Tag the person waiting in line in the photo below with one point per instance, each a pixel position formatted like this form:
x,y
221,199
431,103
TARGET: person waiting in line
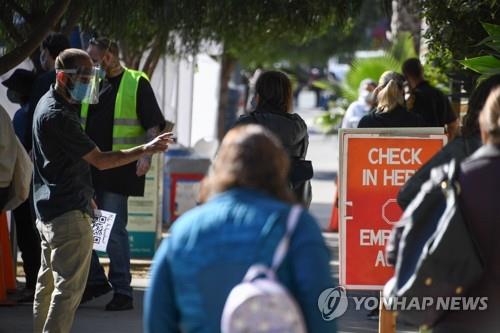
x,y
19,86
480,189
241,222
429,102
8,151
390,110
466,143
51,46
360,108
274,110
62,189
127,114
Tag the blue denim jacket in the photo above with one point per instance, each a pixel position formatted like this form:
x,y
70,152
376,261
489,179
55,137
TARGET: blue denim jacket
x,y
211,248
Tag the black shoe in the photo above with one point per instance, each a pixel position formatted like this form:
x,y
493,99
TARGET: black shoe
x,y
120,303
25,296
94,291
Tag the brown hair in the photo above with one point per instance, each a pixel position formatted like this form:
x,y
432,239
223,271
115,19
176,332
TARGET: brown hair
x,y
250,156
275,91
72,59
490,119
476,103
389,92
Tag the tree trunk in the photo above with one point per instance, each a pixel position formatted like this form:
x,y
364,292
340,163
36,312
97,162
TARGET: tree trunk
x,y
405,17
227,67
153,57
74,13
44,26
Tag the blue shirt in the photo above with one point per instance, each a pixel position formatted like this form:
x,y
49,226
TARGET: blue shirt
x,y
211,248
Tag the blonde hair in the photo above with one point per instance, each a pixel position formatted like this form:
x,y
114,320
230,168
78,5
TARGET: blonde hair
x,y
390,91
250,157
490,119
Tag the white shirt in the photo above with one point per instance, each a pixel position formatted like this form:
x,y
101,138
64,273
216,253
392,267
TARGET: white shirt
x,y
354,113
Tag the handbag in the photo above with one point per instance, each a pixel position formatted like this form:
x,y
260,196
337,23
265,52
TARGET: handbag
x,y
437,255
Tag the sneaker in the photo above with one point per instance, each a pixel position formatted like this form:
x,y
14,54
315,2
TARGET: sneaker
x,y
120,303
94,291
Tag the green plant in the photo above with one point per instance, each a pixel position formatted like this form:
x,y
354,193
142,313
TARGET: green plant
x,y
487,64
454,31
372,68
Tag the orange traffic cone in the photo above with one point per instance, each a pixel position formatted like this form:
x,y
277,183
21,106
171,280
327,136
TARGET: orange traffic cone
x,y
9,275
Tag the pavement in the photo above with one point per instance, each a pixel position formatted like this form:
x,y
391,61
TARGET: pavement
x,y
91,316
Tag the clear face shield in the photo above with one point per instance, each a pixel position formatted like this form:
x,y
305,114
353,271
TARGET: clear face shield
x,y
84,84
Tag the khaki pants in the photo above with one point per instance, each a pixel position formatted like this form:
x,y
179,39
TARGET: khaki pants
x,y
66,253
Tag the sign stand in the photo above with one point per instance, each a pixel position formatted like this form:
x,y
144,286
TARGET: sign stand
x,y
387,318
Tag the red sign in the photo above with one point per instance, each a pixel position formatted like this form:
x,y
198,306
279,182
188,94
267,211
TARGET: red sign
x,y
373,168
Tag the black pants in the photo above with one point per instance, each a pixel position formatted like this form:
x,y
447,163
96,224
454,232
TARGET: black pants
x,y
28,241
4,194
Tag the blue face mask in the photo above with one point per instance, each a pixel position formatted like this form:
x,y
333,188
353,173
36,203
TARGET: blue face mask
x,y
79,91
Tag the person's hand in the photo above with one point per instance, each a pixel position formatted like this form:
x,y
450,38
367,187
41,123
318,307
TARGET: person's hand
x,y
143,166
159,144
93,205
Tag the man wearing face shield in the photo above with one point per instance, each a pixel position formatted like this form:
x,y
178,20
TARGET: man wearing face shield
x,y
127,114
63,189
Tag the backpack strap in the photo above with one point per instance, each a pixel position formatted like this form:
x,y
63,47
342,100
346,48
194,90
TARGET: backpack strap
x,y
283,245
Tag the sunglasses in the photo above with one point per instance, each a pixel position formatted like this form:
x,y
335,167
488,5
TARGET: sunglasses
x,y
101,44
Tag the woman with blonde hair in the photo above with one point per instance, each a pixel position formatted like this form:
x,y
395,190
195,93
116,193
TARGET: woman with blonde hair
x,y
244,217
390,110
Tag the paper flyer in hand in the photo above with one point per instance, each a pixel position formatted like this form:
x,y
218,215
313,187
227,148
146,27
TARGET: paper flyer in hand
x,y
102,224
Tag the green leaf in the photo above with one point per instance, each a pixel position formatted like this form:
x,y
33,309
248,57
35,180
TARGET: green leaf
x,y
367,68
495,45
482,65
491,29
403,47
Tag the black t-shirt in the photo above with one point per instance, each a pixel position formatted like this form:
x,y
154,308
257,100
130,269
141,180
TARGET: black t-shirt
x,y
62,180
100,119
398,117
432,105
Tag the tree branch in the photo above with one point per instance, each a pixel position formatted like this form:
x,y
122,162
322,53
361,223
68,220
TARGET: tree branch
x,y
74,12
44,26
153,57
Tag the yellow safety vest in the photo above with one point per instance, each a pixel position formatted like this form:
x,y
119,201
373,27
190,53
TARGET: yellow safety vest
x,y
127,130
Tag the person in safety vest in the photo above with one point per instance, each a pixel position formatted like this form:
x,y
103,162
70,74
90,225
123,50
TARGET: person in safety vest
x,y
127,115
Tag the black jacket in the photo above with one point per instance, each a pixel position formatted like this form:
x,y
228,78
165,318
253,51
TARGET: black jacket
x,y
291,129
480,189
397,117
459,149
